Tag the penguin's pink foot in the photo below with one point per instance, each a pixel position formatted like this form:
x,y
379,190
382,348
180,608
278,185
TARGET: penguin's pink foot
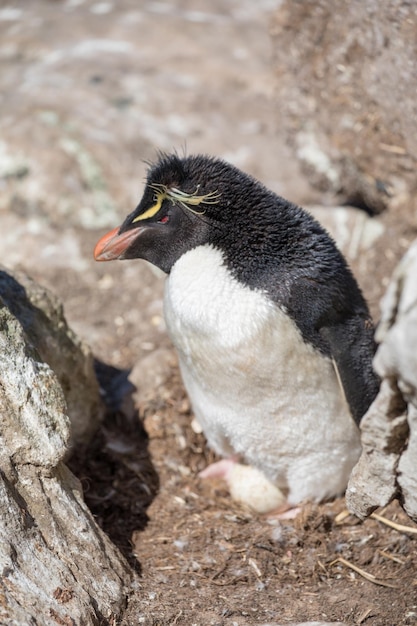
x,y
247,485
220,469
286,511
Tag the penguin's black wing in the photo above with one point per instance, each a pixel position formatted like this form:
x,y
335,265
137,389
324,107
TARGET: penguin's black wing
x,y
352,347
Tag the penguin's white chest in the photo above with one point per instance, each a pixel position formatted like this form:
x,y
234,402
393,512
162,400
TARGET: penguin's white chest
x,y
257,389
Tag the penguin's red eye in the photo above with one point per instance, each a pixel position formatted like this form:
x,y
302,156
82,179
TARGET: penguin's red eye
x,y
164,219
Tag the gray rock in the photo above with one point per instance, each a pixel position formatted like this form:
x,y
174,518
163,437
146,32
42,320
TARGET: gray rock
x,y
397,331
34,427
373,481
389,429
56,565
40,314
407,476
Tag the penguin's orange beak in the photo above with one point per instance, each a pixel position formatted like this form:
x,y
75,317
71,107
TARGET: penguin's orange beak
x,y
113,245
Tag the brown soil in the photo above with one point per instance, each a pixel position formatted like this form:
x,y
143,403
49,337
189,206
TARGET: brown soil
x,y
171,73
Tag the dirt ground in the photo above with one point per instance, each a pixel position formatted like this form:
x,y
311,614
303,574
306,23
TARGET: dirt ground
x,y
203,559
88,91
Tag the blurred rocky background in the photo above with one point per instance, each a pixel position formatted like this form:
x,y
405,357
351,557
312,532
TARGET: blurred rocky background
x,y
320,105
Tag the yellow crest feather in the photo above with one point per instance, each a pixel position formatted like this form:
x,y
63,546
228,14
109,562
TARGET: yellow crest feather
x,y
187,200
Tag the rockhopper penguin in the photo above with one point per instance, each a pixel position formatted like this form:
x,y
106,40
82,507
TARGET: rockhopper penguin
x,y
274,337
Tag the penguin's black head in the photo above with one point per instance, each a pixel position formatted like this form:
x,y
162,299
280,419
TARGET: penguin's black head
x,y
186,202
